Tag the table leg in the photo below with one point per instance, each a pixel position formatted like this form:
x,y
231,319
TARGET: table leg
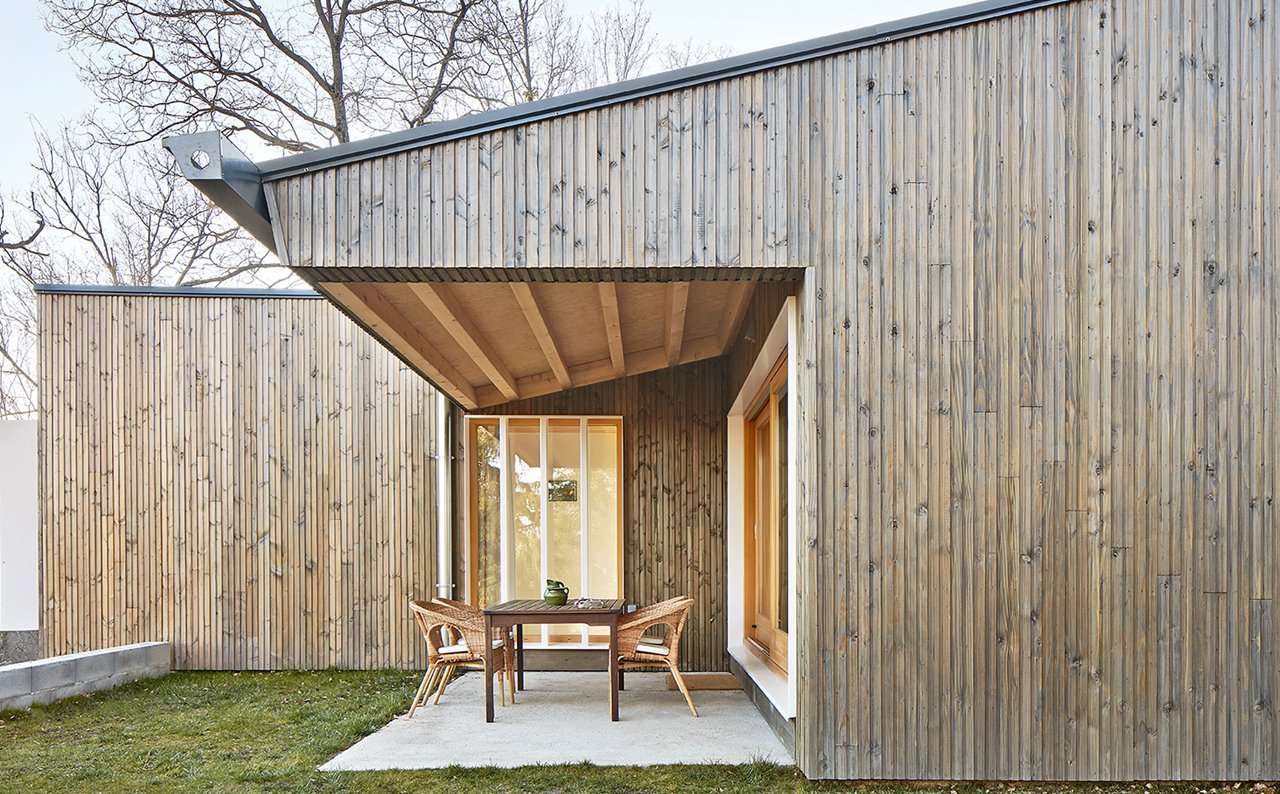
x,y
520,656
614,673
488,670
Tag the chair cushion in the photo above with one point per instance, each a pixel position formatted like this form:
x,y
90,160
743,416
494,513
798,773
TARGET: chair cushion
x,y
462,647
656,650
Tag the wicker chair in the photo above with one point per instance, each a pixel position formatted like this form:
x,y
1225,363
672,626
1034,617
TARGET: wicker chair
x,y
508,635
456,639
637,650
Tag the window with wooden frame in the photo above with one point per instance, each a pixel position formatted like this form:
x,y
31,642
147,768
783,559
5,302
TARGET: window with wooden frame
x,y
545,502
765,511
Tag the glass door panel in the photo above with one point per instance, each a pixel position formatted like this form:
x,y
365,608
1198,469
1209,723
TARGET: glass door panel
x,y
564,514
762,621
780,540
546,503
524,441
604,515
768,542
486,502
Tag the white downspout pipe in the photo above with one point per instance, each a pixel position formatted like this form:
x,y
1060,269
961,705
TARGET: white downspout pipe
x,y
444,501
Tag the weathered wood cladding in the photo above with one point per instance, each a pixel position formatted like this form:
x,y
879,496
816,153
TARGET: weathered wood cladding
x,y
1041,469
252,480
674,442
767,303
712,176
1038,361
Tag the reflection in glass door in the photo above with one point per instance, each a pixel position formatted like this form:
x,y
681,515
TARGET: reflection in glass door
x,y
545,503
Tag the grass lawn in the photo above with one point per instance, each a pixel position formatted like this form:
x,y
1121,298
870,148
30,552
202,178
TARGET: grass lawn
x,y
269,731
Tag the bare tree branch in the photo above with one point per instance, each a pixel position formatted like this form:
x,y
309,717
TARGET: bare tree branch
x,y
621,43
125,218
294,76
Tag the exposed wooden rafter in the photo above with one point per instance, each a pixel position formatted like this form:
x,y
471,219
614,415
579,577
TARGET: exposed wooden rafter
x,y
639,361
735,309
444,307
538,324
677,307
613,326
386,321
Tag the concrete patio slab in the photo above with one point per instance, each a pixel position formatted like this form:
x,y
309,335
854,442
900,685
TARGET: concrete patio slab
x,y
563,718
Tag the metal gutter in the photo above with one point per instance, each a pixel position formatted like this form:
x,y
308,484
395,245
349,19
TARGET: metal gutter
x,y
176,292
226,175
502,118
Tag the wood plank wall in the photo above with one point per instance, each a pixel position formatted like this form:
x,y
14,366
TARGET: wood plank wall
x,y
1041,354
1043,457
674,442
252,480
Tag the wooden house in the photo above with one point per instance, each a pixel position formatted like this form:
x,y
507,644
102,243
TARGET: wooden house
x,y
939,361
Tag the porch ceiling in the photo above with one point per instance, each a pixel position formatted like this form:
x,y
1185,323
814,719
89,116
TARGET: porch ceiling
x,y
489,343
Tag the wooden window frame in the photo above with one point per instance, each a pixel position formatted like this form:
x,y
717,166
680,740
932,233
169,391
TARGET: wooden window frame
x,y
769,643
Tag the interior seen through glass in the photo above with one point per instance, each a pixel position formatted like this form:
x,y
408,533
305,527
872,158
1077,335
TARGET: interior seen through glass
x,y
562,520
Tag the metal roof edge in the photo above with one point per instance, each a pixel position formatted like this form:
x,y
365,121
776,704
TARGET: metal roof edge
x,y
437,132
176,292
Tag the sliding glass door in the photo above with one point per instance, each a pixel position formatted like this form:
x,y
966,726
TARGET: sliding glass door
x,y
545,503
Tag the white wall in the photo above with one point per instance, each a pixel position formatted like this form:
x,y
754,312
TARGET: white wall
x,y
19,511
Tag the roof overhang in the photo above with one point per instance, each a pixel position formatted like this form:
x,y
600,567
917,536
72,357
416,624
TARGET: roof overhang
x,y
493,342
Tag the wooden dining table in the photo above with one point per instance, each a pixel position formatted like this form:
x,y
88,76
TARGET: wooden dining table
x,y
521,612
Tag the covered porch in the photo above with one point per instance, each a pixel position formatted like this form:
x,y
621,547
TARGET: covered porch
x,y
632,436
545,317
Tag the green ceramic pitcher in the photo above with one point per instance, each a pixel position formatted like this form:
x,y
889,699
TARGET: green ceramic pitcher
x,y
556,594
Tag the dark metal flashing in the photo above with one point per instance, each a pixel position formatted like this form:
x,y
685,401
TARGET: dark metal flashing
x,y
176,292
466,126
226,175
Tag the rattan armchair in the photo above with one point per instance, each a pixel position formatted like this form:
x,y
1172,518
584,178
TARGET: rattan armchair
x,y
637,650
456,640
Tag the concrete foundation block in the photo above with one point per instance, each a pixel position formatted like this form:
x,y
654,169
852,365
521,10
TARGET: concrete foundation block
x,y
15,681
49,680
93,666
160,654
52,674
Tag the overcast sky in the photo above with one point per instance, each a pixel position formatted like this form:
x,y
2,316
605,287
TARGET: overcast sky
x,y
37,81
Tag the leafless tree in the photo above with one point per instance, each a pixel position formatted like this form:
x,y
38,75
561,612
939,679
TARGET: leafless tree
x,y
291,75
25,239
622,44
102,216
17,318
535,51
689,53
294,76
125,218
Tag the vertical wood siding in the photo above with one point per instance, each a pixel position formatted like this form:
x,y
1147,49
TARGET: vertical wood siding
x,y
674,442
1042,449
251,480
1040,362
